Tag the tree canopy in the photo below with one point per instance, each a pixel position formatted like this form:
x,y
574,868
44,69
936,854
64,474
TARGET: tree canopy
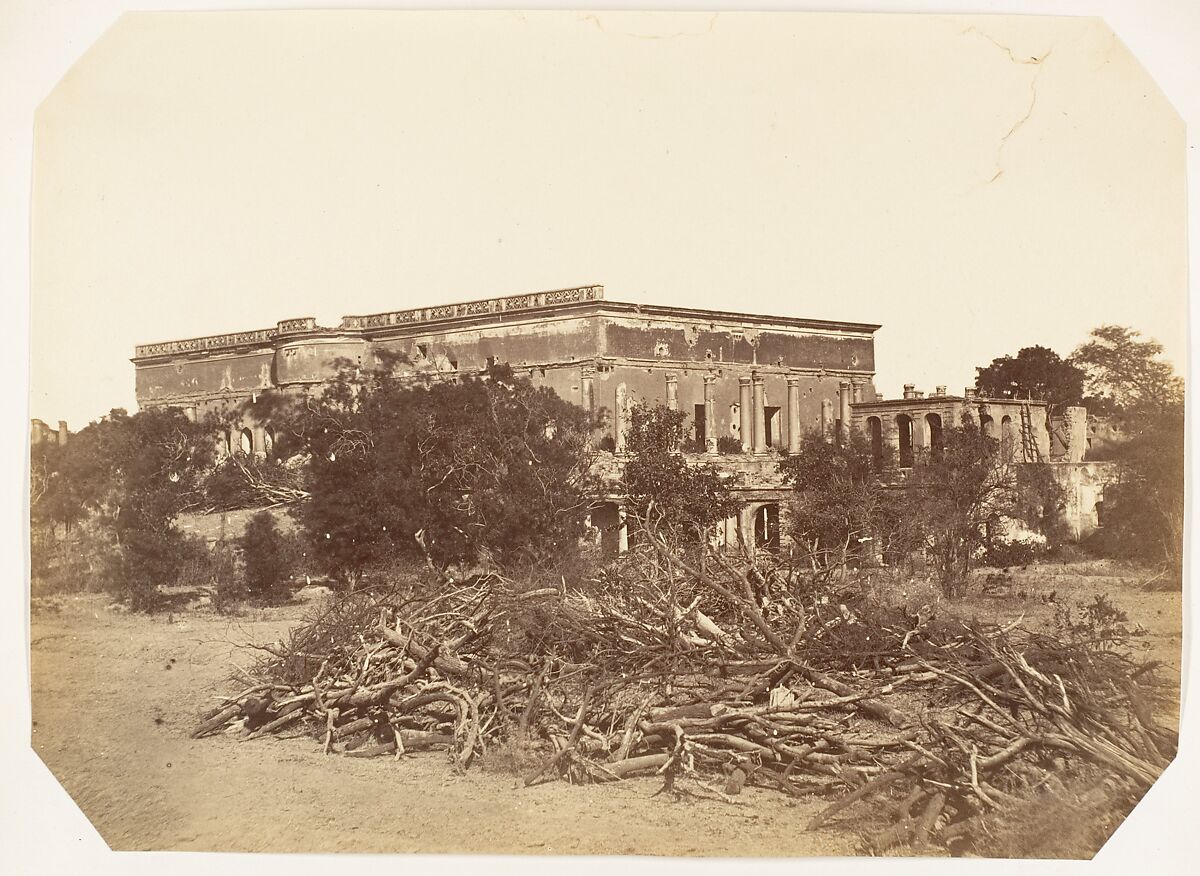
x,y
133,475
954,499
838,501
680,499
454,471
1126,374
1035,373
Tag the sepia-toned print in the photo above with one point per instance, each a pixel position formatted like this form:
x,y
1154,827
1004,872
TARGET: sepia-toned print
x,y
636,434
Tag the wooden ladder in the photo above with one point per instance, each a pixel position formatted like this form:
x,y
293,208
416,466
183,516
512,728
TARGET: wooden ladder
x,y
1031,452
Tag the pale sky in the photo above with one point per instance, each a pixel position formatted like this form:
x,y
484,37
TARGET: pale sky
x,y
205,173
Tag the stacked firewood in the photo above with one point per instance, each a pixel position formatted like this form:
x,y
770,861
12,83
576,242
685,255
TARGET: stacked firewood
x,y
934,726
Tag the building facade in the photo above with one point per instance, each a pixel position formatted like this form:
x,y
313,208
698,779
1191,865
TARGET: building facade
x,y
901,430
759,382
751,385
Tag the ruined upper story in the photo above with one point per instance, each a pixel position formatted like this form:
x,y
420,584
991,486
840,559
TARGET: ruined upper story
x,y
558,331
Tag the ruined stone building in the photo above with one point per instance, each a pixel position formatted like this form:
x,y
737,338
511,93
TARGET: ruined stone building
x,y
751,384
42,433
900,429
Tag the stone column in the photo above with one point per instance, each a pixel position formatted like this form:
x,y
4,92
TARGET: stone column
x,y
793,392
672,392
890,433
260,441
586,391
622,531
746,527
710,413
1075,426
920,434
844,396
620,417
745,414
827,420
760,422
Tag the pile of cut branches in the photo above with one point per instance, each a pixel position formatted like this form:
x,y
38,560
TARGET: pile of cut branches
x,y
712,680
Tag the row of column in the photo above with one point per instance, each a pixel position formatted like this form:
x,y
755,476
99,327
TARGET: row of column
x,y
751,406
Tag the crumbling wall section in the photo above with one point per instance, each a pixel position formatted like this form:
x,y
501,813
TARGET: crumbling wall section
x,y
1083,484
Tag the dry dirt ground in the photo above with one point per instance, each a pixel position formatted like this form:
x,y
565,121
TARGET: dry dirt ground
x,y
115,696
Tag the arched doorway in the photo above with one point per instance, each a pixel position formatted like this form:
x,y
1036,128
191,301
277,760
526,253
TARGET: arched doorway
x,y
933,428
904,430
247,442
875,433
766,527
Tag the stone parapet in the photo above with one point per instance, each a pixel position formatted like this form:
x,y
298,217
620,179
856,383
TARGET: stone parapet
x,y
503,304
210,342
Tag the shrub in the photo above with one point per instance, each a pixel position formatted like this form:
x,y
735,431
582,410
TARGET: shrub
x,y
69,563
728,444
265,551
1013,545
145,561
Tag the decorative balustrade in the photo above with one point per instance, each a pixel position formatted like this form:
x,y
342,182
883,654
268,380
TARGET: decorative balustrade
x,y
292,326
211,342
505,304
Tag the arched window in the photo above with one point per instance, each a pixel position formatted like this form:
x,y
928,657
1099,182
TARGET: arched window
x,y
933,428
247,445
875,432
269,442
987,426
766,527
904,430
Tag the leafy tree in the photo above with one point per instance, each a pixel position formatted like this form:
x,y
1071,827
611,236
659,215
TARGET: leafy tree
x,y
133,475
1125,374
453,471
1035,373
265,555
679,500
838,498
954,500
1144,508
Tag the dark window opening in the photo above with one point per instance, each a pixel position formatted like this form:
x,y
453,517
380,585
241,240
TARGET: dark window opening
x,y
933,427
766,527
904,427
701,423
771,426
875,430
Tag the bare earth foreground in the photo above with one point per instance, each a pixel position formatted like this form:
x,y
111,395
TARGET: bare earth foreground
x,y
115,696
112,713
